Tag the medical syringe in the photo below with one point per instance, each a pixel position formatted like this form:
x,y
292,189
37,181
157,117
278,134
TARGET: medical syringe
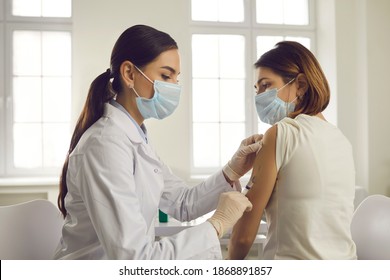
x,y
248,186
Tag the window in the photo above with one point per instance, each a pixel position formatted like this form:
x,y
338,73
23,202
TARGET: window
x,y
227,38
37,93
42,8
217,87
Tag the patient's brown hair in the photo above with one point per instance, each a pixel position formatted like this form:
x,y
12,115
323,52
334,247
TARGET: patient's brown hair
x,y
288,59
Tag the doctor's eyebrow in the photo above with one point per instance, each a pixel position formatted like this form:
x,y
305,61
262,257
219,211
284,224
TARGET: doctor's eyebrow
x,y
170,69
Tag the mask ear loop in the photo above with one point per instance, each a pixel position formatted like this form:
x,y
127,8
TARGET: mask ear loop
x,y
143,74
146,77
136,93
288,103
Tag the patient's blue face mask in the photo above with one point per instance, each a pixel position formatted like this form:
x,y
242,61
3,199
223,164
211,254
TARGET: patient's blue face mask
x,y
271,108
165,99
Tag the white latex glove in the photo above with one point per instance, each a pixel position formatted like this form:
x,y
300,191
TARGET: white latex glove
x,y
242,160
231,206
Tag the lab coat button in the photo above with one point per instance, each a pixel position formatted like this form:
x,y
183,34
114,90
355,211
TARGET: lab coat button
x,y
156,170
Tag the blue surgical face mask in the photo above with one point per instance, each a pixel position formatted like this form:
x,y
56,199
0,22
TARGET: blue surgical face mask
x,y
165,99
271,108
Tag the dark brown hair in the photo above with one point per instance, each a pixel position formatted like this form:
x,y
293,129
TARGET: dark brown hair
x,y
139,44
288,59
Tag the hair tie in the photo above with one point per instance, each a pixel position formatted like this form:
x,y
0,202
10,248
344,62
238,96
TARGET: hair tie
x,y
109,73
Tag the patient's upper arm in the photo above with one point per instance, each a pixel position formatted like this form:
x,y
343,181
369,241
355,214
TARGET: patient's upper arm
x,y
264,169
264,176
264,172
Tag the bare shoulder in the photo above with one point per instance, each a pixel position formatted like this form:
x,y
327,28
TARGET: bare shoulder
x,y
270,135
266,155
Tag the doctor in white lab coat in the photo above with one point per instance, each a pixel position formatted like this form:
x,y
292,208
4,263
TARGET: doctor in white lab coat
x,y
113,183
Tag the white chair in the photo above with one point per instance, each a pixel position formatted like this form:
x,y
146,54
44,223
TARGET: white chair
x,y
370,228
29,230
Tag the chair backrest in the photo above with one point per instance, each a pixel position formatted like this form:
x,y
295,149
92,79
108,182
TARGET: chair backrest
x,y
370,228
29,230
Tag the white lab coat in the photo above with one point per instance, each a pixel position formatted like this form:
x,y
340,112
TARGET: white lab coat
x,y
116,184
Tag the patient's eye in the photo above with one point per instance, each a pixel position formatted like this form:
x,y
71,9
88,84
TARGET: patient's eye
x,y
165,77
263,87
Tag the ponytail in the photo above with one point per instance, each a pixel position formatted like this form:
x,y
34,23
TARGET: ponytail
x,y
99,93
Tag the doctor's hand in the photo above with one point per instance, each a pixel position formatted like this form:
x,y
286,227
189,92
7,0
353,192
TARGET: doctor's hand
x,y
242,160
231,206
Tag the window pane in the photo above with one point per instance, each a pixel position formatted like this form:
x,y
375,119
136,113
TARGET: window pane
x,y
42,8
56,49
270,12
231,10
27,53
212,56
27,145
231,136
205,100
232,100
200,13
57,8
27,101
282,12
56,99
232,56
296,12
205,56
56,139
217,10
26,8
206,145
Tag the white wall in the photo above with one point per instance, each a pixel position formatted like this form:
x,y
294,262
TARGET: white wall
x,y
362,45
357,30
378,62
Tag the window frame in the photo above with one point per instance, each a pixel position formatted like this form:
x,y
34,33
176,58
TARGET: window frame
x,y
199,171
309,27
250,29
10,24
44,20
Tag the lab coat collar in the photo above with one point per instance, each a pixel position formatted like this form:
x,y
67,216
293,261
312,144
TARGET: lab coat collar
x,y
123,122
141,129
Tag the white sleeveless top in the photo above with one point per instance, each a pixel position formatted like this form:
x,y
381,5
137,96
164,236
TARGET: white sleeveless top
x,y
310,210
